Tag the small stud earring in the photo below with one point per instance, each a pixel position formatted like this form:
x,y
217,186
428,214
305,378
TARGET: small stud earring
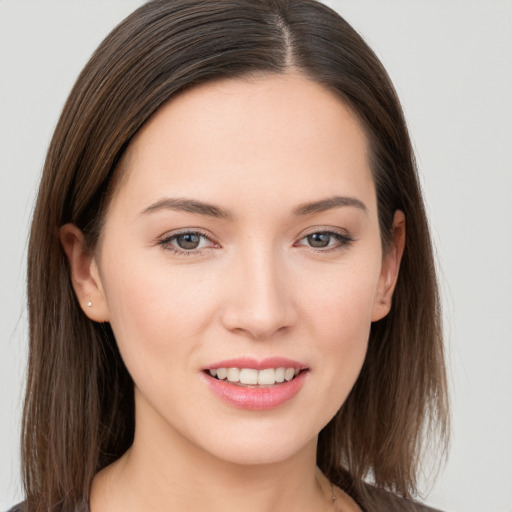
x,y
89,304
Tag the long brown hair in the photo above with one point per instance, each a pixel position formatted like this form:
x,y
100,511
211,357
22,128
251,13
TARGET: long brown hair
x,y
79,407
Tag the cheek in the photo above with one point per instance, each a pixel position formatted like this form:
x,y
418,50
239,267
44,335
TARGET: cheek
x,y
342,298
343,324
339,309
156,312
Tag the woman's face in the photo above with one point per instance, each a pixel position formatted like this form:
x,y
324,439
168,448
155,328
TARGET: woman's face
x,y
243,233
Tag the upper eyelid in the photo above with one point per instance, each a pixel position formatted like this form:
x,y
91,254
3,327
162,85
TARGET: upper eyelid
x,y
333,234
331,230
193,231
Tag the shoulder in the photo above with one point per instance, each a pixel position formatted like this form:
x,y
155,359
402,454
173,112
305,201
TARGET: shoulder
x,y
379,500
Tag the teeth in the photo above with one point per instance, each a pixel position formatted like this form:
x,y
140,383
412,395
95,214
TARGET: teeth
x,y
280,374
233,374
250,376
222,373
267,377
289,374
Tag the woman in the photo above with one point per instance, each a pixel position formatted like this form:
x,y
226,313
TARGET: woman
x,y
232,294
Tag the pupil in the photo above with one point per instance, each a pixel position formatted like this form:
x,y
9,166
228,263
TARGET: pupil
x,y
319,239
188,241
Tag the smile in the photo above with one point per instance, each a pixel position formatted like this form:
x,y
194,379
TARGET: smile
x,y
257,385
253,377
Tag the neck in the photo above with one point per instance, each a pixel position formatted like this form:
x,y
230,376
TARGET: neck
x,y
164,471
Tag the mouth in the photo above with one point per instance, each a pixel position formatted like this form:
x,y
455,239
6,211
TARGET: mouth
x,y
253,384
251,377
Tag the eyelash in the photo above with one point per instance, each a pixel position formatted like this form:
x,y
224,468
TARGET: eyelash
x,y
344,240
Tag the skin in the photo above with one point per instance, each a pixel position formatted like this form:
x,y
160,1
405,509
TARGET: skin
x,y
258,149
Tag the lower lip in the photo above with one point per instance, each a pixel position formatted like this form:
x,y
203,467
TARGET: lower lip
x,y
256,398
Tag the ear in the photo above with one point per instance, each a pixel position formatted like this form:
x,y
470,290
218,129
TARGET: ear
x,y
85,275
390,268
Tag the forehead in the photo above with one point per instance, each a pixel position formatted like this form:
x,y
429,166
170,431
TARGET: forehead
x,y
262,135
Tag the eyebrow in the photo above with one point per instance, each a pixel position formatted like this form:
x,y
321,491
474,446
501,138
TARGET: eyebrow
x,y
187,205
329,203
202,208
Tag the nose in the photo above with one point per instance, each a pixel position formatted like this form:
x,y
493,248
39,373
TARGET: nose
x,y
260,300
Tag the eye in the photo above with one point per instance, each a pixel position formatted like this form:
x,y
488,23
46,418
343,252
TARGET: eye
x,y
187,242
326,240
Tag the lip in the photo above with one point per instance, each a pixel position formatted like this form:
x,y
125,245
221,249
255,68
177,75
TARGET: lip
x,y
256,398
262,364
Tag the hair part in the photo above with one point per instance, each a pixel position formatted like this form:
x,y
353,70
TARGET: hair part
x,y
79,407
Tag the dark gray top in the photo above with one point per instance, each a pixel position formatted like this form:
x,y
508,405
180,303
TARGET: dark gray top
x,y
379,501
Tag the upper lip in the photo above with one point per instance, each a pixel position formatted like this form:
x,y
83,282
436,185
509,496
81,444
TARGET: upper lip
x,y
257,364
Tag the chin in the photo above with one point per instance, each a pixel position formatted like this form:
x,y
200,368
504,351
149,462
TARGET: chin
x,y
261,452
257,443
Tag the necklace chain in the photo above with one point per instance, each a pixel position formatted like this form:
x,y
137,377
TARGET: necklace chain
x,y
333,495
332,498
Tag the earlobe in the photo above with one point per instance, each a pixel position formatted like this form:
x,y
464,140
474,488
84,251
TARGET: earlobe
x,y
390,269
85,276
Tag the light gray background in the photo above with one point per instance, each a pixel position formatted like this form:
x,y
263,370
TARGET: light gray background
x,y
451,62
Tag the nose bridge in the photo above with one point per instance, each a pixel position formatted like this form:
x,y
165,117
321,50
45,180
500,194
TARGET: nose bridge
x,y
260,302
